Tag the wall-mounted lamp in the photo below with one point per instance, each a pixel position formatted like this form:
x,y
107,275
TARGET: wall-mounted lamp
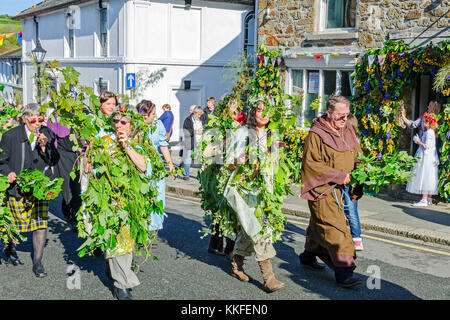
x,y
187,84
187,3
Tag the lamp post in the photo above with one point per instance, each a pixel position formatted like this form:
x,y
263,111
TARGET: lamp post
x,y
38,54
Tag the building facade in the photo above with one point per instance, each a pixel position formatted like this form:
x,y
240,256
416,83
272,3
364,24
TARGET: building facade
x,y
109,42
321,39
11,76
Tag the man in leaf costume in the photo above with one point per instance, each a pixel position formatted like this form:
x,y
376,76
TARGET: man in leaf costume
x,y
330,155
26,147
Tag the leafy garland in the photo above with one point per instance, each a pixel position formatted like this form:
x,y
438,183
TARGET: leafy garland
x,y
118,194
380,78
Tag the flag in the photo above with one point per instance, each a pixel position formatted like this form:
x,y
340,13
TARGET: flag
x,y
265,60
335,54
19,37
391,55
326,57
2,37
318,56
381,59
371,60
9,35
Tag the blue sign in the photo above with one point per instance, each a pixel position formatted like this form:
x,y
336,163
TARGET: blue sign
x,y
131,80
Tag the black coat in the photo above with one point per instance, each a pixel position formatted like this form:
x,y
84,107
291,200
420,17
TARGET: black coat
x,y
188,133
12,159
205,115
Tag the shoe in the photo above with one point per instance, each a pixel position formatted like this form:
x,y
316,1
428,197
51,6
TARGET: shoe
x,y
237,271
122,294
215,251
11,256
357,243
421,203
185,178
430,201
349,282
98,252
311,266
39,270
271,284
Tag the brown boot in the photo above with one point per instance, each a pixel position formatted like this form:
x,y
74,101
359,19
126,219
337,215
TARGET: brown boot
x,y
270,283
237,264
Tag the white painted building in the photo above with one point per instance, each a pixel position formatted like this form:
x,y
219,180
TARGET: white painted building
x,y
106,40
11,74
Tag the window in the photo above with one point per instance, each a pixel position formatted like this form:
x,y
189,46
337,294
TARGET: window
x,y
104,32
337,14
314,84
249,35
71,35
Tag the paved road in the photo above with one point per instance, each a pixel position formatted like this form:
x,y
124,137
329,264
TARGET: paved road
x,y
185,270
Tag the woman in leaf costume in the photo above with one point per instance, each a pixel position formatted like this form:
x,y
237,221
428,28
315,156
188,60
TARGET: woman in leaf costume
x,y
214,175
249,191
27,146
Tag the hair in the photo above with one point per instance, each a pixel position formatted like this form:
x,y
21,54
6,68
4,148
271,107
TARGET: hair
x,y
238,108
354,122
106,95
197,109
431,119
166,106
251,116
436,109
211,99
29,109
145,107
333,100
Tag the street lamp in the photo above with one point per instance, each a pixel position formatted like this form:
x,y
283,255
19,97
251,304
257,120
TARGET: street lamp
x,y
38,54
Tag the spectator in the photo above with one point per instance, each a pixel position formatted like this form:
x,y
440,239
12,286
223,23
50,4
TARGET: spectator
x,y
167,119
210,105
193,130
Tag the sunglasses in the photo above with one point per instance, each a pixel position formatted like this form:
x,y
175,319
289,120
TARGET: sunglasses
x,y
34,121
341,117
123,122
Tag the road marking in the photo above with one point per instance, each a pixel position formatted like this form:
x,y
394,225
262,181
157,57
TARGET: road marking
x,y
363,235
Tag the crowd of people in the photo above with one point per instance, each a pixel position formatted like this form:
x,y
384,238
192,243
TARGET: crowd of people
x,y
330,154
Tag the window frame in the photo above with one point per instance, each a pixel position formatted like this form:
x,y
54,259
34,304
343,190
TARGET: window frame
x,y
323,18
247,31
103,37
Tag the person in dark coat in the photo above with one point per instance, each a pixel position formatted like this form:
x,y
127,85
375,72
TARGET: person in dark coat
x,y
71,188
192,130
210,105
28,146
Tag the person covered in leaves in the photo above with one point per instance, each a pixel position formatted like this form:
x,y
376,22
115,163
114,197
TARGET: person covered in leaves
x,y
29,146
157,135
123,175
330,155
249,151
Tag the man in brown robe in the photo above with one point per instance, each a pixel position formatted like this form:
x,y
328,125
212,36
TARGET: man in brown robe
x,y
330,154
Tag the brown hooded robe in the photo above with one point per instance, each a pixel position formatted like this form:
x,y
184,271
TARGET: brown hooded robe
x,y
328,157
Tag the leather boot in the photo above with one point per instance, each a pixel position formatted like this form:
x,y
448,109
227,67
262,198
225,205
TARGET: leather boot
x,y
237,264
271,284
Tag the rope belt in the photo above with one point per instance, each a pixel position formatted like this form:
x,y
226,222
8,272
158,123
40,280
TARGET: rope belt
x,y
341,203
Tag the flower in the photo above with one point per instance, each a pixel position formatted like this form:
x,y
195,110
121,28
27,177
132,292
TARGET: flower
x,y
386,95
367,85
379,156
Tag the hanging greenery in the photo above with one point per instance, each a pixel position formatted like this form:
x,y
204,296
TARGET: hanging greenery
x,y
380,79
118,195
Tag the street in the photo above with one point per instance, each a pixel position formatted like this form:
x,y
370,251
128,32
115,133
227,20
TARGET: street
x,y
184,270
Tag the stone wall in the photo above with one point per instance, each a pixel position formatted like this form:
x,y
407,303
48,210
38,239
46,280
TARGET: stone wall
x,y
292,23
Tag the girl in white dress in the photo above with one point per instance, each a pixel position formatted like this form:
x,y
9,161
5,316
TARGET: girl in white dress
x,y
425,179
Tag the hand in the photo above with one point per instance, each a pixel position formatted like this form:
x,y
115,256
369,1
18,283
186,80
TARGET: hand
x,y
123,139
12,177
87,166
42,139
347,179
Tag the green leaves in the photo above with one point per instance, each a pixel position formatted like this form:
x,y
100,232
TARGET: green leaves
x,y
39,184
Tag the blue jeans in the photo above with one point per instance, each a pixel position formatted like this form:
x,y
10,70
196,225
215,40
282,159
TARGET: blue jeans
x,y
187,160
351,212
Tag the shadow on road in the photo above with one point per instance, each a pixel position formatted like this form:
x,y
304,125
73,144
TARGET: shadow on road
x,y
184,235
426,214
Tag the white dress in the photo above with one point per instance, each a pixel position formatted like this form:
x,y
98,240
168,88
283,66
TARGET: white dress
x,y
425,179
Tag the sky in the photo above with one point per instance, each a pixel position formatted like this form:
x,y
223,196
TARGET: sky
x,y
12,7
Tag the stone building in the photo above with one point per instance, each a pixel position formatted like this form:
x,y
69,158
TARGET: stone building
x,y
321,39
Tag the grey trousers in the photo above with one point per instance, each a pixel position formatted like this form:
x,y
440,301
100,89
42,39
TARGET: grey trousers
x,y
244,246
124,277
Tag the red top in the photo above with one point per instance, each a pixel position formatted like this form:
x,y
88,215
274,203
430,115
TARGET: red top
x,y
241,118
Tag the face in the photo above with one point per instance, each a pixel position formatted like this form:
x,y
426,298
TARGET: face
x,y
122,125
211,104
338,117
34,122
430,107
260,120
151,116
197,115
108,106
233,106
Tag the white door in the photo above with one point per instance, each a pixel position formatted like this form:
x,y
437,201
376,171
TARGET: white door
x,y
180,101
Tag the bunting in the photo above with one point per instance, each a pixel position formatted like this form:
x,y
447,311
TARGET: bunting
x,y
9,35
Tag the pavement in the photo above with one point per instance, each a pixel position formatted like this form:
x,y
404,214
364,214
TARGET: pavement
x,y
381,213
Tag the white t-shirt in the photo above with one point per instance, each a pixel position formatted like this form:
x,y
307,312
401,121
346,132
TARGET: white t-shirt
x,y
33,143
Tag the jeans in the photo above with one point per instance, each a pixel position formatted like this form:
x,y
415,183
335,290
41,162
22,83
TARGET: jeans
x,y
187,160
351,212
